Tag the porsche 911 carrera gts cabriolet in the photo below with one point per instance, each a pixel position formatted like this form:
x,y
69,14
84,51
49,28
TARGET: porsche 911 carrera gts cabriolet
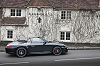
x,y
35,45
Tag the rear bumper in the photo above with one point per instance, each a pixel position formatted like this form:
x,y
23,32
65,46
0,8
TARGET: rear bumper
x,y
10,50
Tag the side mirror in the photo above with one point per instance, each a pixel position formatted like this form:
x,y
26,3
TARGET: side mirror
x,y
44,43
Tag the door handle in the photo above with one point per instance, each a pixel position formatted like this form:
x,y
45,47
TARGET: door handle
x,y
33,45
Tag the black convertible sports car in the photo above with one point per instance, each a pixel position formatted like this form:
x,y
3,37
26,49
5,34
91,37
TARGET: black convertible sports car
x,y
34,45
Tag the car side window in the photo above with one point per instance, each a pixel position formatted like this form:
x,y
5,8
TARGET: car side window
x,y
36,41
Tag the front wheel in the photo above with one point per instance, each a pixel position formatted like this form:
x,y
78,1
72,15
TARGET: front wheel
x,y
21,52
57,51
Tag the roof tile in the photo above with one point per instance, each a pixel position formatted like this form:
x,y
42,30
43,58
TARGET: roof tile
x,y
14,3
54,3
39,3
70,3
93,3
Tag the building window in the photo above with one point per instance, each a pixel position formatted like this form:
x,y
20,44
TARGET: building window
x,y
63,14
64,35
10,34
68,14
67,35
18,13
12,12
15,12
99,4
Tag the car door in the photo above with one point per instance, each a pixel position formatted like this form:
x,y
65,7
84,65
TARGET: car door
x,y
41,48
37,46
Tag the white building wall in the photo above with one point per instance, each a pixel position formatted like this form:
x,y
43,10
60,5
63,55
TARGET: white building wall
x,y
83,29
44,28
19,33
4,33
7,12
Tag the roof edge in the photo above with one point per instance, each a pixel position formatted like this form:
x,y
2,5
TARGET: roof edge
x,y
77,8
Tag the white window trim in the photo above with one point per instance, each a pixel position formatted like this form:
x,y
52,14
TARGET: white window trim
x,y
66,15
12,12
9,39
15,12
63,15
99,4
64,37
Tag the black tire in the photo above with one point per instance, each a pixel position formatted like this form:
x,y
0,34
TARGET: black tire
x,y
57,51
21,52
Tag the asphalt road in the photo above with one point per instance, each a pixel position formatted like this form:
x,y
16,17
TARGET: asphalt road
x,y
72,58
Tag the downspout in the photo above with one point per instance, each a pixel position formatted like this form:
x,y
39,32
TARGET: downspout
x,y
0,29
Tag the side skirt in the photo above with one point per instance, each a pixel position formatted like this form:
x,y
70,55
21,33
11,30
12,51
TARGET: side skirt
x,y
45,52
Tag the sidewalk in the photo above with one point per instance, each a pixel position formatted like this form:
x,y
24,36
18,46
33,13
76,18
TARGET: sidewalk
x,y
2,48
84,48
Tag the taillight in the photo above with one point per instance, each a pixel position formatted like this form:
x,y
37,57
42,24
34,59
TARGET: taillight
x,y
8,46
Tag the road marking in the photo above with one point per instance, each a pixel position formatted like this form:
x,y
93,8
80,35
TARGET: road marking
x,y
78,59
14,63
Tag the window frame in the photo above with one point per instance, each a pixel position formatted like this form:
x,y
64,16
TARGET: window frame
x,y
9,34
99,4
69,15
62,35
12,12
65,37
63,14
66,15
17,13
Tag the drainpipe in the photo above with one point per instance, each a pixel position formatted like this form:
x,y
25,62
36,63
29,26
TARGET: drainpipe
x,y
0,29
0,22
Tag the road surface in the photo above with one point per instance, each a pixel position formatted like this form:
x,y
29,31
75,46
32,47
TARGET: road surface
x,y
72,58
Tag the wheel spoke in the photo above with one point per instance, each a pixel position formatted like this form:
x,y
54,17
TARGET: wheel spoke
x,y
21,52
57,51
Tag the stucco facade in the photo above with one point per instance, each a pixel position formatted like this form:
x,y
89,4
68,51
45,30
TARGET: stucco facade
x,y
65,24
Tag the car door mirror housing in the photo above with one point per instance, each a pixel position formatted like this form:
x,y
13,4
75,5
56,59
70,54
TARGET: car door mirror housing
x,y
44,43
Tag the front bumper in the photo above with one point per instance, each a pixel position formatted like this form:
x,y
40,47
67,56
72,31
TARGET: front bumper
x,y
64,50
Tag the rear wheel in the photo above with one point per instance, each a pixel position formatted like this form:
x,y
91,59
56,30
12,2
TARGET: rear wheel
x,y
21,52
57,51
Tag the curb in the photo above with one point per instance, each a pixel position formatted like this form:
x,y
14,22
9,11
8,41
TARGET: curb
x,y
84,48
1,50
